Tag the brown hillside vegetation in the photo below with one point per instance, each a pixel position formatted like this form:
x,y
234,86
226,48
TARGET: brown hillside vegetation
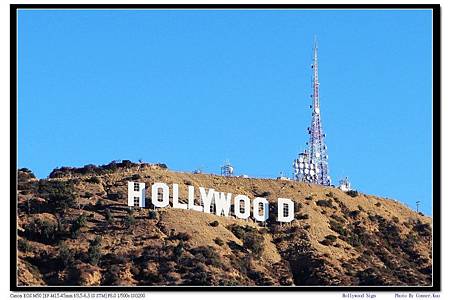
x,y
75,228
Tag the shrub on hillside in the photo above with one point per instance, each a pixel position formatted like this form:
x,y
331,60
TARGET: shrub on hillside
x,y
59,194
326,203
24,245
326,242
77,225
25,174
94,179
254,242
331,237
237,230
115,196
152,214
99,204
129,220
219,241
42,231
214,223
301,216
161,165
207,255
424,229
178,250
352,193
263,194
108,216
94,250
65,255
337,227
354,213
88,195
183,236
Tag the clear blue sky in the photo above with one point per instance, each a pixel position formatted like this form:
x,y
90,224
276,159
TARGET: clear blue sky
x,y
194,88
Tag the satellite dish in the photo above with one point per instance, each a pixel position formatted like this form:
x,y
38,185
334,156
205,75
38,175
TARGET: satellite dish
x,y
300,159
301,165
306,171
306,165
317,110
317,154
311,172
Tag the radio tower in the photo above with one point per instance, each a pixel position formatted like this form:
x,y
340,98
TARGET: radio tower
x,y
312,164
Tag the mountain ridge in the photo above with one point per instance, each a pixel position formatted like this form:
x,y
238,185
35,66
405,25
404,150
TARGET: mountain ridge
x,y
336,239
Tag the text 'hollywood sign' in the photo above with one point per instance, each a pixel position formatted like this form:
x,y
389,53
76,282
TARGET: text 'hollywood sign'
x,y
211,202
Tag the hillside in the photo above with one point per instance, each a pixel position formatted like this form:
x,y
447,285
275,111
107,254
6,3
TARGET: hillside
x,y
75,228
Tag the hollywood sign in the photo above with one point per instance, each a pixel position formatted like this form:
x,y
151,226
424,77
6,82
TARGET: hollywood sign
x,y
211,202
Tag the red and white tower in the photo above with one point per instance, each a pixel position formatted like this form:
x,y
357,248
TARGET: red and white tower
x,y
312,164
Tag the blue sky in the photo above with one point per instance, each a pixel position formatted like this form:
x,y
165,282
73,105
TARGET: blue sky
x,y
194,88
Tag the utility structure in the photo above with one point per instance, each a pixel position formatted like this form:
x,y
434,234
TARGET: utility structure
x,y
227,169
312,164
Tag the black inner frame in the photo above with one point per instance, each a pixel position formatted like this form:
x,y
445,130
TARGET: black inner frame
x,y
436,286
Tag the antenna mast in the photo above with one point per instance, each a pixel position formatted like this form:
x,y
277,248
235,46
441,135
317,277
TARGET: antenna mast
x,y
312,164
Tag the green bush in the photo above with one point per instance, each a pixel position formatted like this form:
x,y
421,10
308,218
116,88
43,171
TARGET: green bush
x,y
59,194
238,231
331,237
326,242
254,242
94,250
354,240
352,193
300,216
24,246
152,214
77,225
42,231
100,203
178,250
136,177
378,204
65,256
129,221
354,213
94,179
424,229
214,223
326,203
207,255
219,241
335,226
108,216
115,196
